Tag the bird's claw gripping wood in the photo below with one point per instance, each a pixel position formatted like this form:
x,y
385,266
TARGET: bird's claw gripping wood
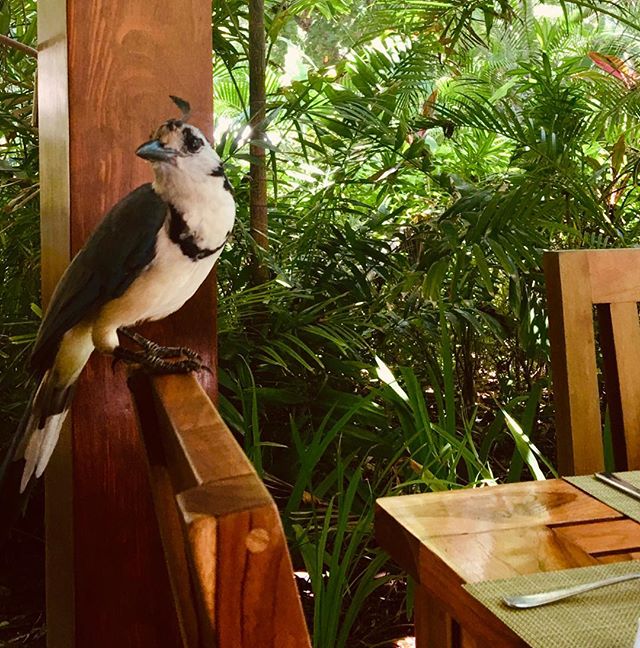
x,y
154,349
156,364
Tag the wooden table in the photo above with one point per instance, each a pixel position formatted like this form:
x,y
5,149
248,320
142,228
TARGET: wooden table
x,y
446,539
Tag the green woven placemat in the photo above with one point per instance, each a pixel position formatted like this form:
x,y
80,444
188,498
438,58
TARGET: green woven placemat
x,y
603,618
610,496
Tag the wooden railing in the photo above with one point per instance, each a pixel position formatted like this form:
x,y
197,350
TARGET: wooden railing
x,y
229,566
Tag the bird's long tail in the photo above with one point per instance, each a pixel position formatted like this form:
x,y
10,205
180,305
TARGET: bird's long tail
x,y
49,409
39,429
34,440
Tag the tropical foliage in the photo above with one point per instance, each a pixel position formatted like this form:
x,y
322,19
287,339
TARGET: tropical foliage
x,y
19,240
422,155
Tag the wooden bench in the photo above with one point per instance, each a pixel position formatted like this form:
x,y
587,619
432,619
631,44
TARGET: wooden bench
x,y
229,567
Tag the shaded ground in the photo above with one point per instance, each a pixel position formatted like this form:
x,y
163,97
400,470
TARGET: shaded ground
x,y
382,622
22,582
22,595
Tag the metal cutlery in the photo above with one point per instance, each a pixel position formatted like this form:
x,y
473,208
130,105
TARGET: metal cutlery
x,y
543,598
619,484
535,600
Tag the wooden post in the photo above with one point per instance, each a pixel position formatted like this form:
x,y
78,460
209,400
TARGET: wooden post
x,y
106,71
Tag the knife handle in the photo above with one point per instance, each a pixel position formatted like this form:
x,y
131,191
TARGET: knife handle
x,y
619,484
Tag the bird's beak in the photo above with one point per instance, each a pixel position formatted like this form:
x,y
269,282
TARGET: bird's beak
x,y
155,151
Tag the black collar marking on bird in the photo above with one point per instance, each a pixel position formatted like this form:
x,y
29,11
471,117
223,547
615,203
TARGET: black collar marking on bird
x,y
219,173
182,236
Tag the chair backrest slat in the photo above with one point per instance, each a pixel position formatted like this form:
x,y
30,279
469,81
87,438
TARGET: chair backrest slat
x,y
614,275
575,381
578,280
620,342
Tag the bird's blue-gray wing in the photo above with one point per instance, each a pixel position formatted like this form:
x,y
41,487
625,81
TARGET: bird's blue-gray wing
x,y
114,255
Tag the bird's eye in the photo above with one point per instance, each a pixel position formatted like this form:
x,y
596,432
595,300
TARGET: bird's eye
x,y
192,143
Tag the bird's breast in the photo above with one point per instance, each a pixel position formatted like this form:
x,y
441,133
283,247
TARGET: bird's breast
x,y
161,289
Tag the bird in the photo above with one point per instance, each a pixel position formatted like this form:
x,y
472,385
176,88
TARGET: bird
x,y
145,259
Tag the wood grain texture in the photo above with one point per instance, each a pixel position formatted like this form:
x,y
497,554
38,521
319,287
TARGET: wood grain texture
x,y
508,506
444,584
193,427
125,59
614,274
507,553
450,538
576,281
434,627
53,112
598,537
169,520
573,360
107,70
242,582
467,640
618,556
620,342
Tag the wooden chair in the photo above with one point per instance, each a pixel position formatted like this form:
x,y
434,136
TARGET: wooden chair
x,y
578,280
229,566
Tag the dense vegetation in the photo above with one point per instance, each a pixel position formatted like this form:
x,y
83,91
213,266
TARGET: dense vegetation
x,y
422,155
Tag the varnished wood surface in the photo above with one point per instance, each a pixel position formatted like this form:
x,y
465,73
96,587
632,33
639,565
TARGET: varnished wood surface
x,y
597,538
106,69
620,340
614,275
573,361
192,431
446,539
241,584
578,280
507,506
55,253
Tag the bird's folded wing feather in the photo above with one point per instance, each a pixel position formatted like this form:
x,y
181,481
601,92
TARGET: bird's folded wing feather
x,y
117,251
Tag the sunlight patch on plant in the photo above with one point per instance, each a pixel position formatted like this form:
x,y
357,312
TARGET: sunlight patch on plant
x,y
223,125
547,11
387,377
245,135
296,65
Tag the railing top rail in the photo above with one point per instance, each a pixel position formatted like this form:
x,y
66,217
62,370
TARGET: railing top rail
x,y
216,517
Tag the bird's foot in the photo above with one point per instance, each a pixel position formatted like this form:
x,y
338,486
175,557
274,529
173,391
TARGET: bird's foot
x,y
154,349
156,364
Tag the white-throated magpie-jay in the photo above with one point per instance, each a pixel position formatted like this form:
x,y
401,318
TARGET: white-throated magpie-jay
x,y
143,262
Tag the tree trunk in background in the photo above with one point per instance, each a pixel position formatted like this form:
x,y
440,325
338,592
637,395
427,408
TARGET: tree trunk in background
x,y
258,194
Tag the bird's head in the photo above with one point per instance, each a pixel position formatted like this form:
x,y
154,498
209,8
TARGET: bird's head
x,y
178,148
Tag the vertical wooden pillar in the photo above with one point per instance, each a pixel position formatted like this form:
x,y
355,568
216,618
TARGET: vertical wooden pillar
x,y
106,70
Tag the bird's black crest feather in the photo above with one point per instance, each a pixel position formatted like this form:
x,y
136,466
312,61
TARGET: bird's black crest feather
x,y
183,105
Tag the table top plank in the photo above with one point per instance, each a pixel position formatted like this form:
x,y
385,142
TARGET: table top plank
x,y
509,506
444,584
446,539
617,556
505,553
602,537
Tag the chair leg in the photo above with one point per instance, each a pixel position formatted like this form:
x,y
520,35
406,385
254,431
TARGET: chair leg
x,y
434,627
